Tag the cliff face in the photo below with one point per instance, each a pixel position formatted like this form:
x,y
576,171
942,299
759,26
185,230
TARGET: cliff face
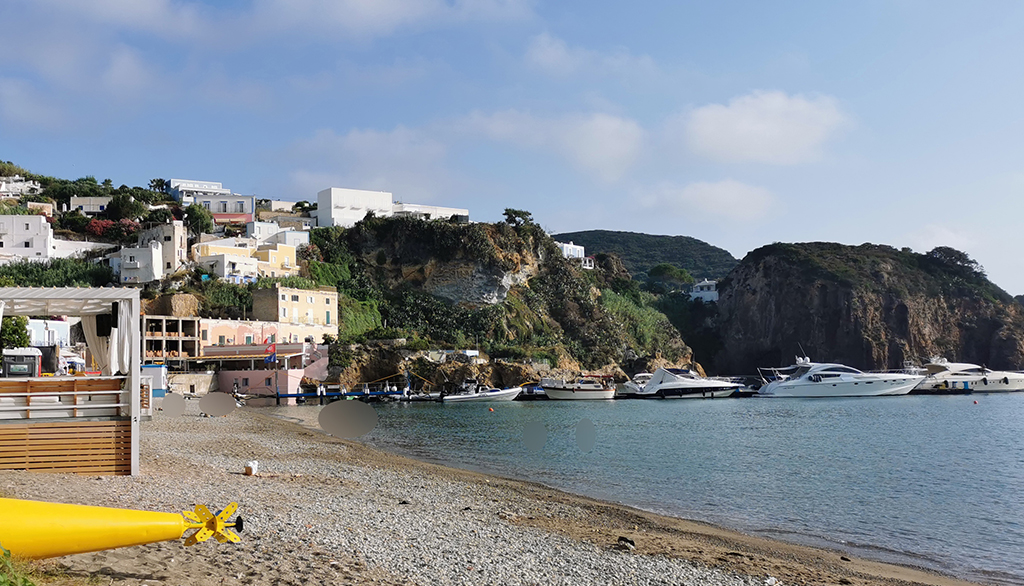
x,y
871,307
504,288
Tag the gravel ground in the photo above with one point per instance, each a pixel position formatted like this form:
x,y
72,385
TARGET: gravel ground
x,y
322,511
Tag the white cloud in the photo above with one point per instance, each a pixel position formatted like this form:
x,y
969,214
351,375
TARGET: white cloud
x,y
763,127
403,161
22,106
728,199
555,57
600,144
127,76
929,236
164,18
372,18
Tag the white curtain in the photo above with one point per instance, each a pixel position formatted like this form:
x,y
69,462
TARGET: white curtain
x,y
99,346
124,331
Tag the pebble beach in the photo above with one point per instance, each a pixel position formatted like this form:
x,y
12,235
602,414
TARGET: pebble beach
x,y
326,511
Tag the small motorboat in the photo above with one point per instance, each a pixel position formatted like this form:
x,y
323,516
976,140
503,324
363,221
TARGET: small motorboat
x,y
631,388
597,387
472,391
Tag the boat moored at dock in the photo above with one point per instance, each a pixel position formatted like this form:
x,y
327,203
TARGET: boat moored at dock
x,y
946,377
587,388
682,383
811,379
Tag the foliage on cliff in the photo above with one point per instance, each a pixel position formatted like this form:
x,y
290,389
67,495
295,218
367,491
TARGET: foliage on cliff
x,y
504,288
641,252
58,272
869,306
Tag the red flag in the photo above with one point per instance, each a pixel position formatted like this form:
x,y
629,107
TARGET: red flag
x,y
271,349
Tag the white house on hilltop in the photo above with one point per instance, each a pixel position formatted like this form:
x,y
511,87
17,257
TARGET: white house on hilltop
x,y
571,250
706,291
338,206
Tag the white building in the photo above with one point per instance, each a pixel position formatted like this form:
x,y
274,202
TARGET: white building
x,y
25,237
338,206
90,206
706,291
571,250
188,190
16,186
273,233
47,332
427,212
142,264
173,239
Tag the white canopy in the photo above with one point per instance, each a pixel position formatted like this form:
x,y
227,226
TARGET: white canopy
x,y
75,301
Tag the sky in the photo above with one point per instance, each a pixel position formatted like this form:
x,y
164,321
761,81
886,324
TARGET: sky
x,y
738,123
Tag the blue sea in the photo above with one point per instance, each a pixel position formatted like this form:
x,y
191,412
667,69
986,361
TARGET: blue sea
x,y
928,481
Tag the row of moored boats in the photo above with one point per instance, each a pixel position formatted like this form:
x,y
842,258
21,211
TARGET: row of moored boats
x,y
803,379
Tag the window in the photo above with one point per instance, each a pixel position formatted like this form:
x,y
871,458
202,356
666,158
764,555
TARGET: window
x,y
328,322
295,297
103,207
239,206
26,226
223,206
273,337
248,339
327,300
205,333
1,243
167,238
268,381
168,265
309,299
284,312
245,382
220,340
131,258
284,297
28,244
206,205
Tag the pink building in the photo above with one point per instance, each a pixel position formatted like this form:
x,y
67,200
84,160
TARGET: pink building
x,y
230,332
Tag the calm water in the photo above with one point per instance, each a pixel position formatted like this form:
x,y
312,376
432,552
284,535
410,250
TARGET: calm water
x,y
921,480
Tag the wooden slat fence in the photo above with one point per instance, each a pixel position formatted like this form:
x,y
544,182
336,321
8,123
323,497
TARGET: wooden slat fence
x,y
85,447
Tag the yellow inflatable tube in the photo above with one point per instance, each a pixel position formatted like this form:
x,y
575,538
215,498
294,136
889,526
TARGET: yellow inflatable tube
x,y
34,529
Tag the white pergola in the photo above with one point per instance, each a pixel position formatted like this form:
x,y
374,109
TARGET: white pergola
x,y
85,301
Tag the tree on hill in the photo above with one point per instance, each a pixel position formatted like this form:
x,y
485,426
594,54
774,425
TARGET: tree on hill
x,y
9,169
669,274
517,218
199,219
123,207
158,185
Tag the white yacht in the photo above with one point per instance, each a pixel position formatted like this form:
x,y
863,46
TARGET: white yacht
x,y
471,390
682,383
584,388
812,379
944,376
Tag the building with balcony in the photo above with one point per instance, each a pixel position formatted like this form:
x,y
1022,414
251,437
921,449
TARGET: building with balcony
x,y
173,239
187,191
169,339
17,186
243,260
297,306
274,233
142,264
233,332
25,238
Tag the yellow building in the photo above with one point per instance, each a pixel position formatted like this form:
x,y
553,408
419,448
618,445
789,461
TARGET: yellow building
x,y
297,306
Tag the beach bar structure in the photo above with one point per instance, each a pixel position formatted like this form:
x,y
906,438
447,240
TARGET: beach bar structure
x,y
77,424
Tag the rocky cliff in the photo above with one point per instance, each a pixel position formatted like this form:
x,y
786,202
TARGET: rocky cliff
x,y
868,306
504,288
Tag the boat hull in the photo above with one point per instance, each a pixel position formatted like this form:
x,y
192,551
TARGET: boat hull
x,y
579,394
692,393
485,397
875,387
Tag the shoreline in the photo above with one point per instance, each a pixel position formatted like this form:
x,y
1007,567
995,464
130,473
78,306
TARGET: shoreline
x,y
330,510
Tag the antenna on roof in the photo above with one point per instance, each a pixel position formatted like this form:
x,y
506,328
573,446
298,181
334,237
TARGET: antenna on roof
x,y
803,352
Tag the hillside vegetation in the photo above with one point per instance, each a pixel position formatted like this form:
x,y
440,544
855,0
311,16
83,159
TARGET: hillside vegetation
x,y
641,252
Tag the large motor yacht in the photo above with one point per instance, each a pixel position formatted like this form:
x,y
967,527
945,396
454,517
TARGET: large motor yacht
x,y
944,377
681,383
812,379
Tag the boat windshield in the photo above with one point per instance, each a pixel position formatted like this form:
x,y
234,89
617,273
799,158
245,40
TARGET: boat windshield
x,y
799,372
